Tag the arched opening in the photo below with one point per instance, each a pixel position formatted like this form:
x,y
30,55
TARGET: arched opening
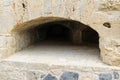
x,y
57,42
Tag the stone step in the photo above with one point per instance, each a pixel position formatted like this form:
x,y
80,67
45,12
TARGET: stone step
x,y
57,62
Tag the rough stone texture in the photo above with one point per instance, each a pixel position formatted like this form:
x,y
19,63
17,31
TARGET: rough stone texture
x,y
19,17
50,77
116,75
19,14
35,75
105,76
110,5
12,75
69,76
13,70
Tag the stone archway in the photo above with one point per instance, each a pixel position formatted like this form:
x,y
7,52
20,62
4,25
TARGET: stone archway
x,y
33,31
86,21
56,38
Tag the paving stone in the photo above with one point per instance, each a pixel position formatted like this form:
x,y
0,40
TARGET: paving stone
x,y
50,77
116,75
69,76
105,76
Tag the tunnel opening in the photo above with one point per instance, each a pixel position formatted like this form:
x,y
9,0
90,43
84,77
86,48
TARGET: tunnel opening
x,y
57,42
74,33
63,31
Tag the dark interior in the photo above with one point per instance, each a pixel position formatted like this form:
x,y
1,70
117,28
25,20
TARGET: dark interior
x,y
90,36
54,32
59,32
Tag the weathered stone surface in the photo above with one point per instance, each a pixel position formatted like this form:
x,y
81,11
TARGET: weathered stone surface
x,y
23,15
116,75
35,75
3,53
110,5
12,75
69,76
3,42
105,76
50,77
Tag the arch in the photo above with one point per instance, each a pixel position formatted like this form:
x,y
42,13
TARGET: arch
x,y
36,22
28,33
43,20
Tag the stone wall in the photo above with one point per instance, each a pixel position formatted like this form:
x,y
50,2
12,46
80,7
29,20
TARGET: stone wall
x,y
101,15
37,71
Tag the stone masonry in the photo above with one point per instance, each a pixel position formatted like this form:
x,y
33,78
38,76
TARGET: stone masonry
x,y
18,18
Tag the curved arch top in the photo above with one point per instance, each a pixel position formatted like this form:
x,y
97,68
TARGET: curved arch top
x,y
42,20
